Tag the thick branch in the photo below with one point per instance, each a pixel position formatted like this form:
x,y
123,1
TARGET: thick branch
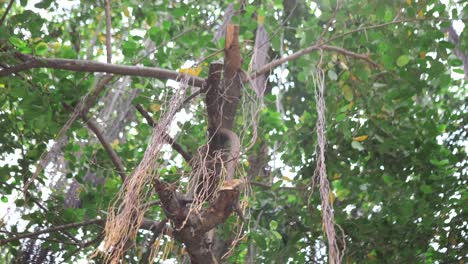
x,y
196,230
231,92
93,66
213,95
187,156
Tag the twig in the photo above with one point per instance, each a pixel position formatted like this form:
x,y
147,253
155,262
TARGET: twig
x,y
82,246
268,67
156,232
190,98
108,31
383,25
83,106
32,62
52,229
268,186
93,126
330,22
146,224
187,156
6,12
351,54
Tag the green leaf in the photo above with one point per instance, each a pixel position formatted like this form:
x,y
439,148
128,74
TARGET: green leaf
x,y
129,48
259,239
41,48
402,60
347,93
292,198
357,145
154,34
332,75
388,179
426,189
276,234
17,42
166,24
43,4
273,225
4,199
456,62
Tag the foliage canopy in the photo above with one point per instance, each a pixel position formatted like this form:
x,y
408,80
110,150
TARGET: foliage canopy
x,y
396,126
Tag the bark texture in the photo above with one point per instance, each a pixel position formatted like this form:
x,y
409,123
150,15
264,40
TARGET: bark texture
x,y
198,229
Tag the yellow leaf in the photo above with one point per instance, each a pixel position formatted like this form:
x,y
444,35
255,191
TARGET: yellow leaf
x,y
371,256
260,19
155,107
408,2
126,12
360,138
422,55
2,85
247,163
102,38
331,197
287,179
115,143
420,14
194,71
336,176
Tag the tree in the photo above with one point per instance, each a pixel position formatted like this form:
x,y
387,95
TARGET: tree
x,y
264,132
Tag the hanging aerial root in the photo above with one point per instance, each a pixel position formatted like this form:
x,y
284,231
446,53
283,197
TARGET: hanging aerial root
x,y
320,174
126,213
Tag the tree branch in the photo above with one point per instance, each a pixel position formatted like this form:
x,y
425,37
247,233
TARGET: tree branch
x,y
32,62
383,25
268,67
6,12
93,126
52,229
82,107
108,31
156,232
177,147
190,97
268,186
147,224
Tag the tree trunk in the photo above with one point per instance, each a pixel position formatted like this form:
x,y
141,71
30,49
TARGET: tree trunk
x,y
198,230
